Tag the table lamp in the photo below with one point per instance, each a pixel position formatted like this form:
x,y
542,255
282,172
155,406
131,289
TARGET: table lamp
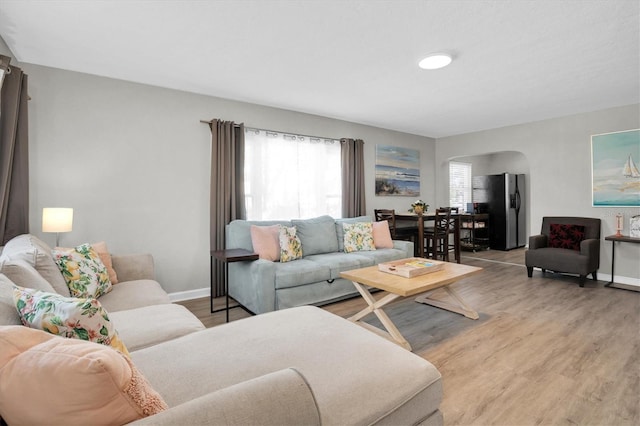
x,y
57,220
619,224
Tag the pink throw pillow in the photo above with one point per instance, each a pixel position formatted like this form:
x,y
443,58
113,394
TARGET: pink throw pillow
x,y
265,241
69,381
382,235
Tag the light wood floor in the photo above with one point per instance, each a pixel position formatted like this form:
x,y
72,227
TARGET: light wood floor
x,y
544,351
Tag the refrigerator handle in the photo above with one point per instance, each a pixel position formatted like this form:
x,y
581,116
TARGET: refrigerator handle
x,y
518,201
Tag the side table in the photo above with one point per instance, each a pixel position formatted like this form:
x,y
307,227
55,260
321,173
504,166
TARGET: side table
x,y
621,239
227,256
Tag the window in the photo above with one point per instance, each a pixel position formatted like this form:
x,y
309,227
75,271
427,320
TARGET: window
x,y
291,176
459,184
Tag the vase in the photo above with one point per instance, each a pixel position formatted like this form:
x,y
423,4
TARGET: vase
x,y
418,210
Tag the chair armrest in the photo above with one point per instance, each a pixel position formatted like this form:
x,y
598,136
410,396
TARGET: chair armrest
x,y
590,248
537,241
134,267
279,398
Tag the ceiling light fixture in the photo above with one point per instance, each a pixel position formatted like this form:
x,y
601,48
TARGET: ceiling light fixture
x,y
435,61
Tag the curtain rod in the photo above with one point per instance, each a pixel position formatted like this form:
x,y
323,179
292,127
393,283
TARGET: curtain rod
x,y
276,131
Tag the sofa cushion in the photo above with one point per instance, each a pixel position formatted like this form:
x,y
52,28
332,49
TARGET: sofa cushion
x,y
84,272
565,236
24,275
358,237
266,241
300,272
340,262
35,252
150,325
318,235
70,382
340,229
134,294
83,319
290,245
381,255
8,313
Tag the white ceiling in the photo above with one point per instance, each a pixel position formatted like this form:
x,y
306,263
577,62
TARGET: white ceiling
x,y
515,61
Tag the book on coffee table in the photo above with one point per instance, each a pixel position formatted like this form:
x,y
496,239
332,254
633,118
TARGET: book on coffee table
x,y
411,267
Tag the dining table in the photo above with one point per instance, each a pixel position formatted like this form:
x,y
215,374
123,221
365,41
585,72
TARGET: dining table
x,y
420,219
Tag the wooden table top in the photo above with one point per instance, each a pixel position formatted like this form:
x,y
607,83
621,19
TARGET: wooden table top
x,y
405,287
625,238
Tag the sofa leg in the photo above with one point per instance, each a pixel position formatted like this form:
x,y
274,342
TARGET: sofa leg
x,y
529,271
583,278
544,271
594,274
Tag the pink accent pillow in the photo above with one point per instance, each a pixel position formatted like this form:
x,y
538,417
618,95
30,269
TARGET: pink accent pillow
x,y
69,381
266,242
382,235
105,256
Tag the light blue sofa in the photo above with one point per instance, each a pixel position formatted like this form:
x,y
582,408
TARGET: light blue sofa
x,y
263,286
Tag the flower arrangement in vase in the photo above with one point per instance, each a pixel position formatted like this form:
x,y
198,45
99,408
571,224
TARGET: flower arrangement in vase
x,y
419,207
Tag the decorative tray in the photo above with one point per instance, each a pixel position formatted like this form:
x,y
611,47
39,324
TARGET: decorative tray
x,y
411,267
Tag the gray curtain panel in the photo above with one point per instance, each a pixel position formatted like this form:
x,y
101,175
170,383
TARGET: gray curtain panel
x,y
227,187
353,197
14,156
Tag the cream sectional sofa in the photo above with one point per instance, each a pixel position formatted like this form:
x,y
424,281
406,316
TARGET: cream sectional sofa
x,y
292,367
264,286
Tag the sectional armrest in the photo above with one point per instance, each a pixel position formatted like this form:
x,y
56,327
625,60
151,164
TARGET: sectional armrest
x,y
132,267
279,398
537,241
406,246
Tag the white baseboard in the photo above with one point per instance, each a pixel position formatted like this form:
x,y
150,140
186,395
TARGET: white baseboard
x,y
620,280
179,296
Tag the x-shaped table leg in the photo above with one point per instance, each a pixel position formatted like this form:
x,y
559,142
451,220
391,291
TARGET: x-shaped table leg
x,y
375,307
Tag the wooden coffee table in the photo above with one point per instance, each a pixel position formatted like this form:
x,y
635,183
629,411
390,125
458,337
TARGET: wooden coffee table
x,y
398,286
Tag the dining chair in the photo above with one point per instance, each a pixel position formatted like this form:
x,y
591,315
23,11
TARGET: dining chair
x,y
407,233
436,239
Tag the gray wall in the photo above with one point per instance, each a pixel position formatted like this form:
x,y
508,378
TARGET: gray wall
x,y
558,153
133,162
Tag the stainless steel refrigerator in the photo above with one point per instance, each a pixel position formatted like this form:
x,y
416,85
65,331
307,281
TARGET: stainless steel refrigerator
x,y
503,197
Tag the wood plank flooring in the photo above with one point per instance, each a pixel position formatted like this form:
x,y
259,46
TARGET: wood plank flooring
x,y
543,352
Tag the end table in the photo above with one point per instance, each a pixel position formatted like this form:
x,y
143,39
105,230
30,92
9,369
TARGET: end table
x,y
620,239
227,256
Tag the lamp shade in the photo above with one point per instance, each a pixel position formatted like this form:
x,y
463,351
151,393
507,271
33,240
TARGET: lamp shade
x,y
57,219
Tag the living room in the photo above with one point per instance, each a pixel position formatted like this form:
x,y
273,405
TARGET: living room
x,y
132,159
139,132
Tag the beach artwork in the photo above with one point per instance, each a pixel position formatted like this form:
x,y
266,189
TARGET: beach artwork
x,y
616,179
397,171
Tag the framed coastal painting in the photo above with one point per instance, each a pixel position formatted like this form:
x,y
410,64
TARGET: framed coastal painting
x,y
397,171
614,169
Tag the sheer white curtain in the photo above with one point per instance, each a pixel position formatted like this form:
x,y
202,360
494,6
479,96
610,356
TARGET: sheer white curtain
x,y
291,176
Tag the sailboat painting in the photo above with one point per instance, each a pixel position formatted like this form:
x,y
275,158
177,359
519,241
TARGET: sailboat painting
x,y
616,179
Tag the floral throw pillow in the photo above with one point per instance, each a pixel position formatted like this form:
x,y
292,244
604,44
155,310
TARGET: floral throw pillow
x,y
84,272
358,237
83,319
290,245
